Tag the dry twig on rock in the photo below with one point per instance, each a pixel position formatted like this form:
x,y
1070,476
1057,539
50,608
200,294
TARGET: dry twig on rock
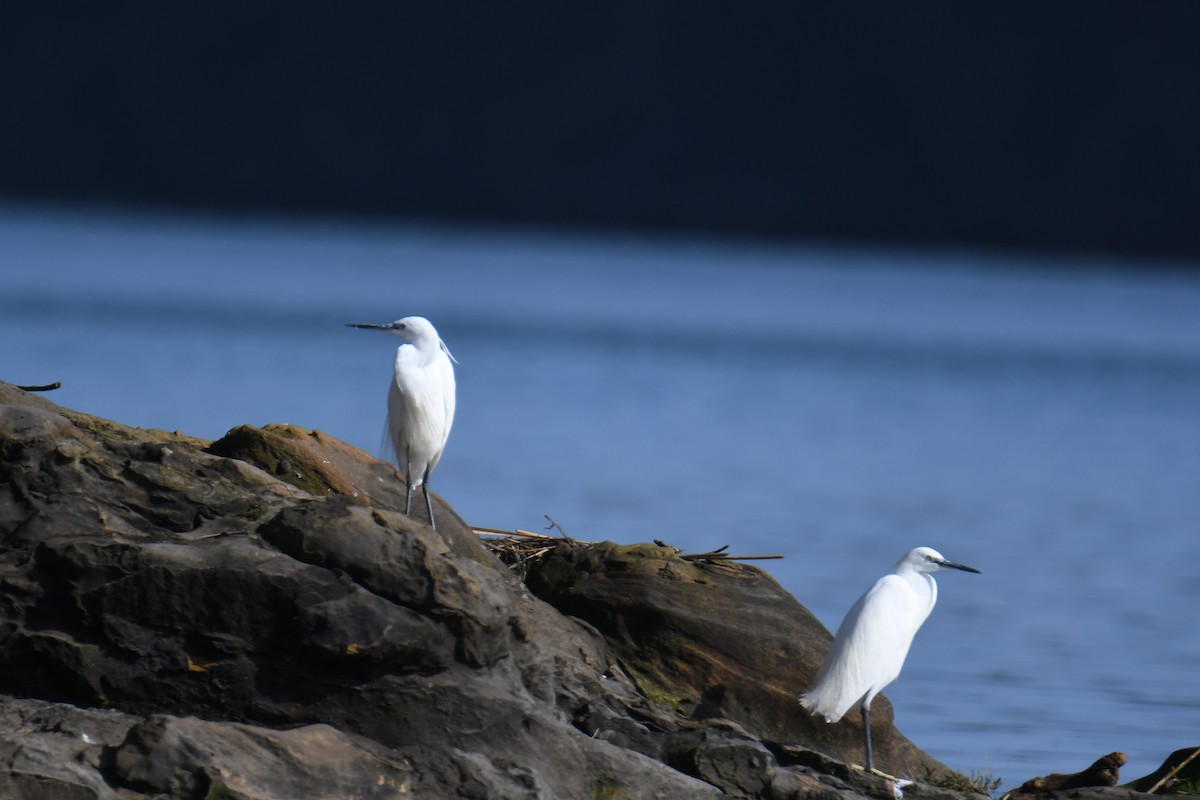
x,y
519,548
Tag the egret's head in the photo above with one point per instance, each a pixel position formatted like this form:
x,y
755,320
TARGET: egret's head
x,y
410,329
926,559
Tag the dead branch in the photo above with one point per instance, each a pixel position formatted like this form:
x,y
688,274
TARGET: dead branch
x,y
518,548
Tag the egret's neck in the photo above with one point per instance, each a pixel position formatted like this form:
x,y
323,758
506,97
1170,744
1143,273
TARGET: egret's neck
x,y
421,351
922,582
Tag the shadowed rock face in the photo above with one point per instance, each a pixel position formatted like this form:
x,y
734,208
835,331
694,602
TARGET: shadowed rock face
x,y
255,618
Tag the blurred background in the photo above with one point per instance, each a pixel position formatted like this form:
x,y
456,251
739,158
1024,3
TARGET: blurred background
x,y
824,281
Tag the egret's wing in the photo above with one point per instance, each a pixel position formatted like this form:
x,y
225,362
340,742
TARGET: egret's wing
x,y
394,425
868,650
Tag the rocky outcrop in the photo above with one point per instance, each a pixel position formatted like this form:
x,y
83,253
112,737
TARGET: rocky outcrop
x,y
1106,771
255,618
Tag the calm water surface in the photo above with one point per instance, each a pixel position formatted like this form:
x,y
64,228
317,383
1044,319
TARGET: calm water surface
x,y
1037,419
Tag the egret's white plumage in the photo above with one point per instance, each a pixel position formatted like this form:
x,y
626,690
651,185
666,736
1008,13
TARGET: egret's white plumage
x,y
420,401
873,640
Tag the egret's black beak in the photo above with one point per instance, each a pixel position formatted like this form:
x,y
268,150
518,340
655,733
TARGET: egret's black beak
x,y
963,567
370,326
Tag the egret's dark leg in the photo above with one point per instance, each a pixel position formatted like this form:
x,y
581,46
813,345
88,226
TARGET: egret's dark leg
x,y
407,486
866,716
428,504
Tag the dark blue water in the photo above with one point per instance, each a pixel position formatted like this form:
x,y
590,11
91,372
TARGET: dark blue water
x,y
1037,419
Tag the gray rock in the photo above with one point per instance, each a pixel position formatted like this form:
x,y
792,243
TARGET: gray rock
x,y
172,578
50,751
188,757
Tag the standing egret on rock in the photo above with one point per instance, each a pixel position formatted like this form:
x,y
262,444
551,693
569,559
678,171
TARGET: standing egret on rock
x,y
874,638
420,401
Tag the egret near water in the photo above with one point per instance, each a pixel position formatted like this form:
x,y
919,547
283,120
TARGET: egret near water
x,y
874,638
420,402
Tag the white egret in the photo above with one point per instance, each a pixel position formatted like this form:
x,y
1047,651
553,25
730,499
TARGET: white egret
x,y
420,401
874,638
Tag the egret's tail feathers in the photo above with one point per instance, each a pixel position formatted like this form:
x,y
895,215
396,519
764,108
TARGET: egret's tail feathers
x,y
817,701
